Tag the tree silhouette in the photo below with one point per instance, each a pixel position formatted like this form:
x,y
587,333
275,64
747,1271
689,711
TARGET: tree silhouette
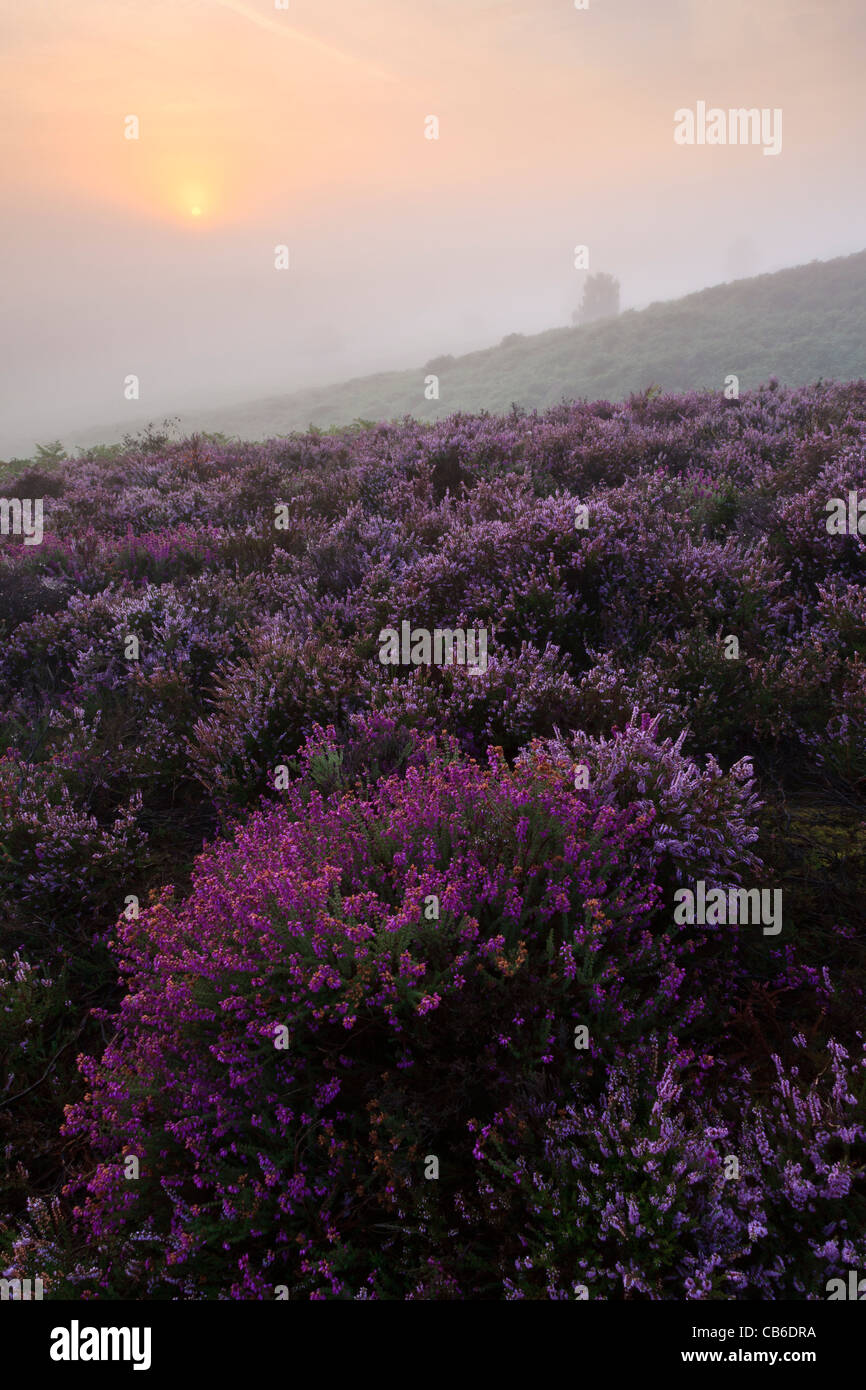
x,y
600,299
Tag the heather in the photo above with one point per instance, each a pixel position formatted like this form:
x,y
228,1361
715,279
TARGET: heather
x,y
243,821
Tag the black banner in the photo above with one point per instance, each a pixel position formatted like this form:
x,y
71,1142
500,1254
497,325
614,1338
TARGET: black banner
x,y
89,1339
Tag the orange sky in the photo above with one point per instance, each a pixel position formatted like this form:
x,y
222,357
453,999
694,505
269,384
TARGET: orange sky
x,y
248,103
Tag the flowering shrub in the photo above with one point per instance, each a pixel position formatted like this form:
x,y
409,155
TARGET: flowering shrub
x,y
26,1001
263,705
50,846
34,1012
518,695
645,1194
666,610
704,822
428,945
400,1023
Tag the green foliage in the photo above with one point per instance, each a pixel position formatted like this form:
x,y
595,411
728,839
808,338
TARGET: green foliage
x,y
50,453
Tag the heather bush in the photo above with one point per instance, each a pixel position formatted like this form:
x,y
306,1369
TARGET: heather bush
x,y
401,1025
800,535
704,822
263,704
448,1035
35,1009
54,856
28,998
429,943
635,1194
518,695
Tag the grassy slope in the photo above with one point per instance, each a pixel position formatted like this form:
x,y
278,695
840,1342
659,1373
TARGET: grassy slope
x,y
798,325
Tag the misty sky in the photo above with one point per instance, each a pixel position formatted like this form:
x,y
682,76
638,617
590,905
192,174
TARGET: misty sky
x,y
306,127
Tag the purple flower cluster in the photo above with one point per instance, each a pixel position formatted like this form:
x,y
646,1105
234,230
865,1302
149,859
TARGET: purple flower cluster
x,y
404,892
648,1193
434,940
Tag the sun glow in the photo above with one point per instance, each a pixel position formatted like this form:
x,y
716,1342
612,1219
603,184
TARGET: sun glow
x,y
195,198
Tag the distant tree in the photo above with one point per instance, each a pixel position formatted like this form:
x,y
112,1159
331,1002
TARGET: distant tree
x,y
152,440
49,453
439,364
600,299
96,453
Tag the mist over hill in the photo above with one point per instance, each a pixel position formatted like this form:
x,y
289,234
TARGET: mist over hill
x,y
798,325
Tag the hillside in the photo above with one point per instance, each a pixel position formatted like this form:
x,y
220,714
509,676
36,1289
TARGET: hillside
x,y
798,325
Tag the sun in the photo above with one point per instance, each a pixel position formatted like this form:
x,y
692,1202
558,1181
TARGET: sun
x,y
194,198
